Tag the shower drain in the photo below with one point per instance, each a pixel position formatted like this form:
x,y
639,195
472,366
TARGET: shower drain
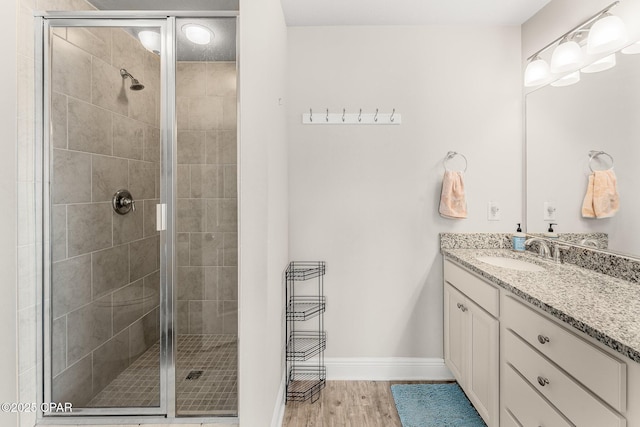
x,y
194,375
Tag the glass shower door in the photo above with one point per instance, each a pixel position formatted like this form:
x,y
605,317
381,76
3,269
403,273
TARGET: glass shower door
x,y
102,162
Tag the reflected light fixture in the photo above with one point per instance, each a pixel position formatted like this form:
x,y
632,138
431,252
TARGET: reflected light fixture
x,y
606,35
537,72
601,64
567,80
566,57
197,34
150,40
631,49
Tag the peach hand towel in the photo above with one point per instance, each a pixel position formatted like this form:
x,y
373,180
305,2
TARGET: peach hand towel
x,y
601,200
453,203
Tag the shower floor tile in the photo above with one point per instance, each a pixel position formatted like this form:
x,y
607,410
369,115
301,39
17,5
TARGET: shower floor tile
x,y
213,392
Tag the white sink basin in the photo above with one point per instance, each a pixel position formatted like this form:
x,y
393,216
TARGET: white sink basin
x,y
510,263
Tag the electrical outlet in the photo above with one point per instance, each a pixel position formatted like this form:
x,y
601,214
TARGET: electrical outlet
x,y
549,213
493,211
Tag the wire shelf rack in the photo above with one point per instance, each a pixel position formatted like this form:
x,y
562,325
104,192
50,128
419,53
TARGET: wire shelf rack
x,y
304,345
306,382
305,307
305,270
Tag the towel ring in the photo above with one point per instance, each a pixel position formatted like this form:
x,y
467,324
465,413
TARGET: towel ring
x,y
595,153
450,155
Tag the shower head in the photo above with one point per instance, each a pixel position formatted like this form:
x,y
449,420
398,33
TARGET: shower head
x,y
135,84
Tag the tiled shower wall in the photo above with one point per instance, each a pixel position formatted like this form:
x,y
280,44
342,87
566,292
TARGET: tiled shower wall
x,y
105,274
207,198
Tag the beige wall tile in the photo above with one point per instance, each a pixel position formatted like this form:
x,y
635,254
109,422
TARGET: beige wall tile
x,y
230,113
95,41
149,217
143,334
152,71
182,248
211,280
128,137
228,214
128,227
88,228
213,213
191,147
221,79
143,257
142,180
228,284
109,174
110,270
70,284
59,345
89,128
58,232
230,257
212,147
127,53
109,360
71,177
190,284
182,113
204,249
206,181
143,105
230,317
230,181
151,292
127,305
184,181
58,120
151,144
70,70
109,89
190,215
182,321
204,318
91,326
205,113
227,143
74,384
190,79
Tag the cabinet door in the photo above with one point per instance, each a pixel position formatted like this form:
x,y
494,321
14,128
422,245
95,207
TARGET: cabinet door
x,y
482,379
455,333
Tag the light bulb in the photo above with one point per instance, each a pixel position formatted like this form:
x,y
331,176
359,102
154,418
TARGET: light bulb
x,y
566,56
150,40
536,73
631,49
197,33
601,64
567,80
606,35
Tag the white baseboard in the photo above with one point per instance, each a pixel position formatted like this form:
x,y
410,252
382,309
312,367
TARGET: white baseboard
x,y
387,369
278,409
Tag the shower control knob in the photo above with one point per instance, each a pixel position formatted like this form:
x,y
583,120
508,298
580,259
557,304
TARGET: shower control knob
x,y
123,202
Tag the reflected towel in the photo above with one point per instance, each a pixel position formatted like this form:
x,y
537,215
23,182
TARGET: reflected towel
x,y
452,199
601,200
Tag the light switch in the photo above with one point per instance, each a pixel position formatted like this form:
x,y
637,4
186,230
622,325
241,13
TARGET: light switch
x,y
493,211
549,213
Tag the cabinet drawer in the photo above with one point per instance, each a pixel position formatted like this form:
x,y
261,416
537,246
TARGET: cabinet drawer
x,y
507,420
571,353
527,406
482,293
576,403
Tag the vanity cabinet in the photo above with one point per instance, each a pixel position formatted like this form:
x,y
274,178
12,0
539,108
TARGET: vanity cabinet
x,y
471,345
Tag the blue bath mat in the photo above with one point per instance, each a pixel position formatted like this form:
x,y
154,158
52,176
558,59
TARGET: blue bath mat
x,y
434,405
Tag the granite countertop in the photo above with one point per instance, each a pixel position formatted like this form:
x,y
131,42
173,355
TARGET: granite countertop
x,y
603,307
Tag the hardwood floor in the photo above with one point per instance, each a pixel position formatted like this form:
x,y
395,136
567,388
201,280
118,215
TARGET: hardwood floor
x,y
348,404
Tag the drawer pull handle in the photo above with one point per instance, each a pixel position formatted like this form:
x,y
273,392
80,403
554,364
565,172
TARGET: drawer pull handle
x,y
463,308
543,339
543,381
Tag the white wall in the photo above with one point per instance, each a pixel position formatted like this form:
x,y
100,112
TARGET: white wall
x,y
263,208
365,198
8,219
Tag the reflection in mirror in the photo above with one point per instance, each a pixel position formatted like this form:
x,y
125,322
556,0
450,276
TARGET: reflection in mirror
x,y
564,125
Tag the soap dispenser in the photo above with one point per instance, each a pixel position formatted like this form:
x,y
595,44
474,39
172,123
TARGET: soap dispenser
x,y
550,234
518,240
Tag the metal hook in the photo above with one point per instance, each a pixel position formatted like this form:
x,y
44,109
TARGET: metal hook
x,y
595,153
344,110
375,118
360,115
452,154
327,118
310,115
391,118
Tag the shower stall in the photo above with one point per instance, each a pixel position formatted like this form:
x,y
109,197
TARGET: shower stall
x,y
137,149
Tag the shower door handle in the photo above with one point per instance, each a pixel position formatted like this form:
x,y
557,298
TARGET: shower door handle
x,y
161,217
123,202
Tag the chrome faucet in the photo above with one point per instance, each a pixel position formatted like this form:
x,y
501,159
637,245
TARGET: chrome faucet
x,y
543,248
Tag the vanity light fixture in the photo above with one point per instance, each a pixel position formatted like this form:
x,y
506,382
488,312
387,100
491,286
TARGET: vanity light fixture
x,y
603,33
197,34
537,72
606,35
150,40
631,49
567,80
601,64
566,57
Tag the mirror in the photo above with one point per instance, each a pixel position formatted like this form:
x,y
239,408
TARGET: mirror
x,y
563,124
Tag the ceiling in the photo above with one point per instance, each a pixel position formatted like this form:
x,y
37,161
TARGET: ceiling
x,y
409,12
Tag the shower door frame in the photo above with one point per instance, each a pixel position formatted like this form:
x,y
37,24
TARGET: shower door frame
x,y
166,21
